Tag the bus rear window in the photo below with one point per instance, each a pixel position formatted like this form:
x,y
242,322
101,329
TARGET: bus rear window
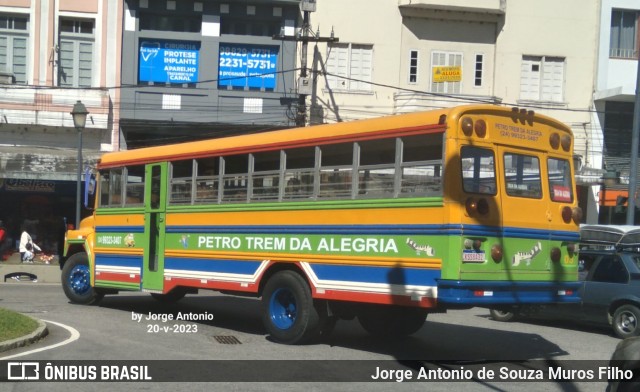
x,y
522,175
560,184
478,170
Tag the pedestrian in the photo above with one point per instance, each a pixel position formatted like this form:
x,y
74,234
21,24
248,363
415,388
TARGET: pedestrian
x,y
3,236
27,247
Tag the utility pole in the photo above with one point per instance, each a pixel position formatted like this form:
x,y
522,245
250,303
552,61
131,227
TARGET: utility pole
x,y
633,162
305,35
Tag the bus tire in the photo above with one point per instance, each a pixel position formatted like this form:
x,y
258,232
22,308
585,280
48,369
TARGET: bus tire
x,y
76,281
392,321
174,295
288,310
626,321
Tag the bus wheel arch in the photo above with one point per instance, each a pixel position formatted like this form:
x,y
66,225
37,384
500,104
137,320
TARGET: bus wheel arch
x,y
289,312
76,280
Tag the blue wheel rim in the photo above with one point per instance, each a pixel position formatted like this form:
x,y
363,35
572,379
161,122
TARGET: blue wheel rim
x,y
79,279
283,308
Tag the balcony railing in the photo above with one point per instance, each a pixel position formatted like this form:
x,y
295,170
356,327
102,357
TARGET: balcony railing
x,y
622,53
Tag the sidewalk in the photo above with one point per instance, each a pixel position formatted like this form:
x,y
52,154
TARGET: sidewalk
x,y
38,272
43,273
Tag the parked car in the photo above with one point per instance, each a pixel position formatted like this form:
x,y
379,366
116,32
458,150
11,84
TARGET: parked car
x,y
609,268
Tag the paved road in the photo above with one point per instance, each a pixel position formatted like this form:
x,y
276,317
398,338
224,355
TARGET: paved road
x,y
111,331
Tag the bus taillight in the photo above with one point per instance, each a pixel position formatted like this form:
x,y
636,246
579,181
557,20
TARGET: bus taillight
x,y
554,141
576,215
571,214
481,128
567,213
566,142
467,126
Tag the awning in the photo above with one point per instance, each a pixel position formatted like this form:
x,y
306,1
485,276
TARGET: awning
x,y
39,163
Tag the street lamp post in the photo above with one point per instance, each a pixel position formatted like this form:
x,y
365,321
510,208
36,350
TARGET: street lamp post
x,y
79,114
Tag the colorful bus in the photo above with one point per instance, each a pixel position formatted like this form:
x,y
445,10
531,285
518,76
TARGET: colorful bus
x,y
383,220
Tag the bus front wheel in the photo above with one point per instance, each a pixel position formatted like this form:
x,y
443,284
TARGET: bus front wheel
x,y
288,311
76,280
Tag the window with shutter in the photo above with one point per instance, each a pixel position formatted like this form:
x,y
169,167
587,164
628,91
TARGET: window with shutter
x,y
542,78
349,66
76,52
13,46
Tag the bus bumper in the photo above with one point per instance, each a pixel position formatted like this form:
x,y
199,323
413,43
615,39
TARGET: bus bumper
x,y
489,293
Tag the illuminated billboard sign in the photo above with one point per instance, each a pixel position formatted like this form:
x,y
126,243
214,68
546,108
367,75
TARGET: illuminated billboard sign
x,y
247,66
169,61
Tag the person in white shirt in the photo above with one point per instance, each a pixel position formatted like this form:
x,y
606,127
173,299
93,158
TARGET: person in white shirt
x,y
27,247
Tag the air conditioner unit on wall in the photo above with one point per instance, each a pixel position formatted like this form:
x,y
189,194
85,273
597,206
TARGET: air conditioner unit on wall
x,y
7,78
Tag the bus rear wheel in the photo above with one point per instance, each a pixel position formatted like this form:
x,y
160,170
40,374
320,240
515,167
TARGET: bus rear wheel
x,y
391,321
288,310
76,281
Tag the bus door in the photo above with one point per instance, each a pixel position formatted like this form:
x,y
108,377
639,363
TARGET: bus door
x,y
154,226
525,210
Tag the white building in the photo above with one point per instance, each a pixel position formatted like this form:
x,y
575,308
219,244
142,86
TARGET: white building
x,y
614,98
535,54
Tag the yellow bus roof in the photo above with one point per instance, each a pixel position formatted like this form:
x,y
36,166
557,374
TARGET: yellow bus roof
x,y
305,136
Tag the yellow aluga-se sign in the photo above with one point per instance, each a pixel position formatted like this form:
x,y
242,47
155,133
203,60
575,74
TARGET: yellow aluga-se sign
x,y
447,74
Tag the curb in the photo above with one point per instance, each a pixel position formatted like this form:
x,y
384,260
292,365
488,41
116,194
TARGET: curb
x,y
34,336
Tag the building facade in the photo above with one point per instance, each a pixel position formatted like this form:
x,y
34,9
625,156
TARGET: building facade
x,y
53,53
614,98
407,55
201,69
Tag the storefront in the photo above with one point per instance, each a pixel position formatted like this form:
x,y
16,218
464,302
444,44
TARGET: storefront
x,y
38,193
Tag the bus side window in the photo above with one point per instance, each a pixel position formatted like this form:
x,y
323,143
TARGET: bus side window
x,y
376,171
104,188
135,186
115,188
299,173
236,172
181,182
207,180
336,170
422,165
266,176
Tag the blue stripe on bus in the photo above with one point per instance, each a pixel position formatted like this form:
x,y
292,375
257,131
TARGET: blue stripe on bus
x,y
466,230
243,267
486,293
119,260
451,230
370,274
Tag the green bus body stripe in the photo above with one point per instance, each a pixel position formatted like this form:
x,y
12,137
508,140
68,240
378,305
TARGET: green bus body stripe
x,y
293,206
117,285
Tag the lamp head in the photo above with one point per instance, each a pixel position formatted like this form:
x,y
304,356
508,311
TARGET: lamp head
x,y
79,114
